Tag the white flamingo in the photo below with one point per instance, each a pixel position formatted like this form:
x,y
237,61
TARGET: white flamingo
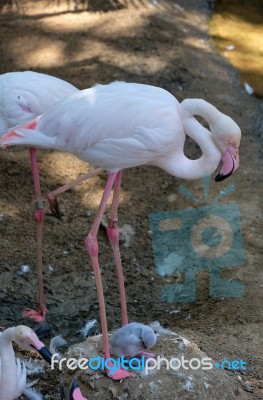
x,y
122,125
23,96
12,371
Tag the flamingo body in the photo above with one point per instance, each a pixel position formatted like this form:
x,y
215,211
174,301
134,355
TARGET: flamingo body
x,y
122,125
106,125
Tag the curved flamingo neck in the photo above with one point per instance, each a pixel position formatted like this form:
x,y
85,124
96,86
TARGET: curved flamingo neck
x,y
181,166
192,107
6,339
8,364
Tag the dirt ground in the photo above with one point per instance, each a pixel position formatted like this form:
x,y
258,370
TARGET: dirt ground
x,y
161,43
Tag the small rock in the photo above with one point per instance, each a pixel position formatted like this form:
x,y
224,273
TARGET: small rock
x,y
25,269
50,268
175,311
248,88
248,387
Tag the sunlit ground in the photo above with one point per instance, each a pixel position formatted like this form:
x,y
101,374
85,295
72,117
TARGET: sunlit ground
x,y
240,24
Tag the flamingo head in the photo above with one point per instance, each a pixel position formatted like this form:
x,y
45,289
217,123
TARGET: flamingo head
x,y
26,338
227,137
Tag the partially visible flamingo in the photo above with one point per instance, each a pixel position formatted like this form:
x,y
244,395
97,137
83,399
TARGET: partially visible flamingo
x,y
74,391
12,372
122,125
23,96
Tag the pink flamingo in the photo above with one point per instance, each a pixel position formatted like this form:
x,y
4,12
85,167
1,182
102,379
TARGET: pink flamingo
x,y
122,125
23,96
12,372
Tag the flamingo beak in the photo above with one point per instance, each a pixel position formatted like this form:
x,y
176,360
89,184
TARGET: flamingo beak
x,y
45,353
74,389
230,163
42,350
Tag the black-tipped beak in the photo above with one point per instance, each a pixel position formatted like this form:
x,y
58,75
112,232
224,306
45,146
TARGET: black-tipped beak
x,y
221,177
230,161
74,385
45,353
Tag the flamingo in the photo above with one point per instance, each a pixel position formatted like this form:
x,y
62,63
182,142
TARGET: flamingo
x,y
23,96
12,372
132,339
123,125
74,391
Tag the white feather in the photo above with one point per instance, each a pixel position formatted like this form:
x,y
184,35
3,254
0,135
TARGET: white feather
x,y
55,342
34,367
89,325
32,394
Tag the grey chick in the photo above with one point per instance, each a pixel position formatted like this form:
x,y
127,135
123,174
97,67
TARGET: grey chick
x,y
132,339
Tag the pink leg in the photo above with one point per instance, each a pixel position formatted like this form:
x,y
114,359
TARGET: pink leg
x,y
38,315
91,245
52,196
113,236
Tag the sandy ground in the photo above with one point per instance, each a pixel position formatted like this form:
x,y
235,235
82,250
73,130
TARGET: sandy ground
x,y
161,43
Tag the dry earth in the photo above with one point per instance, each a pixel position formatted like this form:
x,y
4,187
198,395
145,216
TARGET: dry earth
x,y
160,43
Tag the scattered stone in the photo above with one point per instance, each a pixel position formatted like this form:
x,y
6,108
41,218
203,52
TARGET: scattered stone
x,y
248,387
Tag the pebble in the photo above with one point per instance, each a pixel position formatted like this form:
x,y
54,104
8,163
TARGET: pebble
x,y
25,269
175,311
248,387
248,88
